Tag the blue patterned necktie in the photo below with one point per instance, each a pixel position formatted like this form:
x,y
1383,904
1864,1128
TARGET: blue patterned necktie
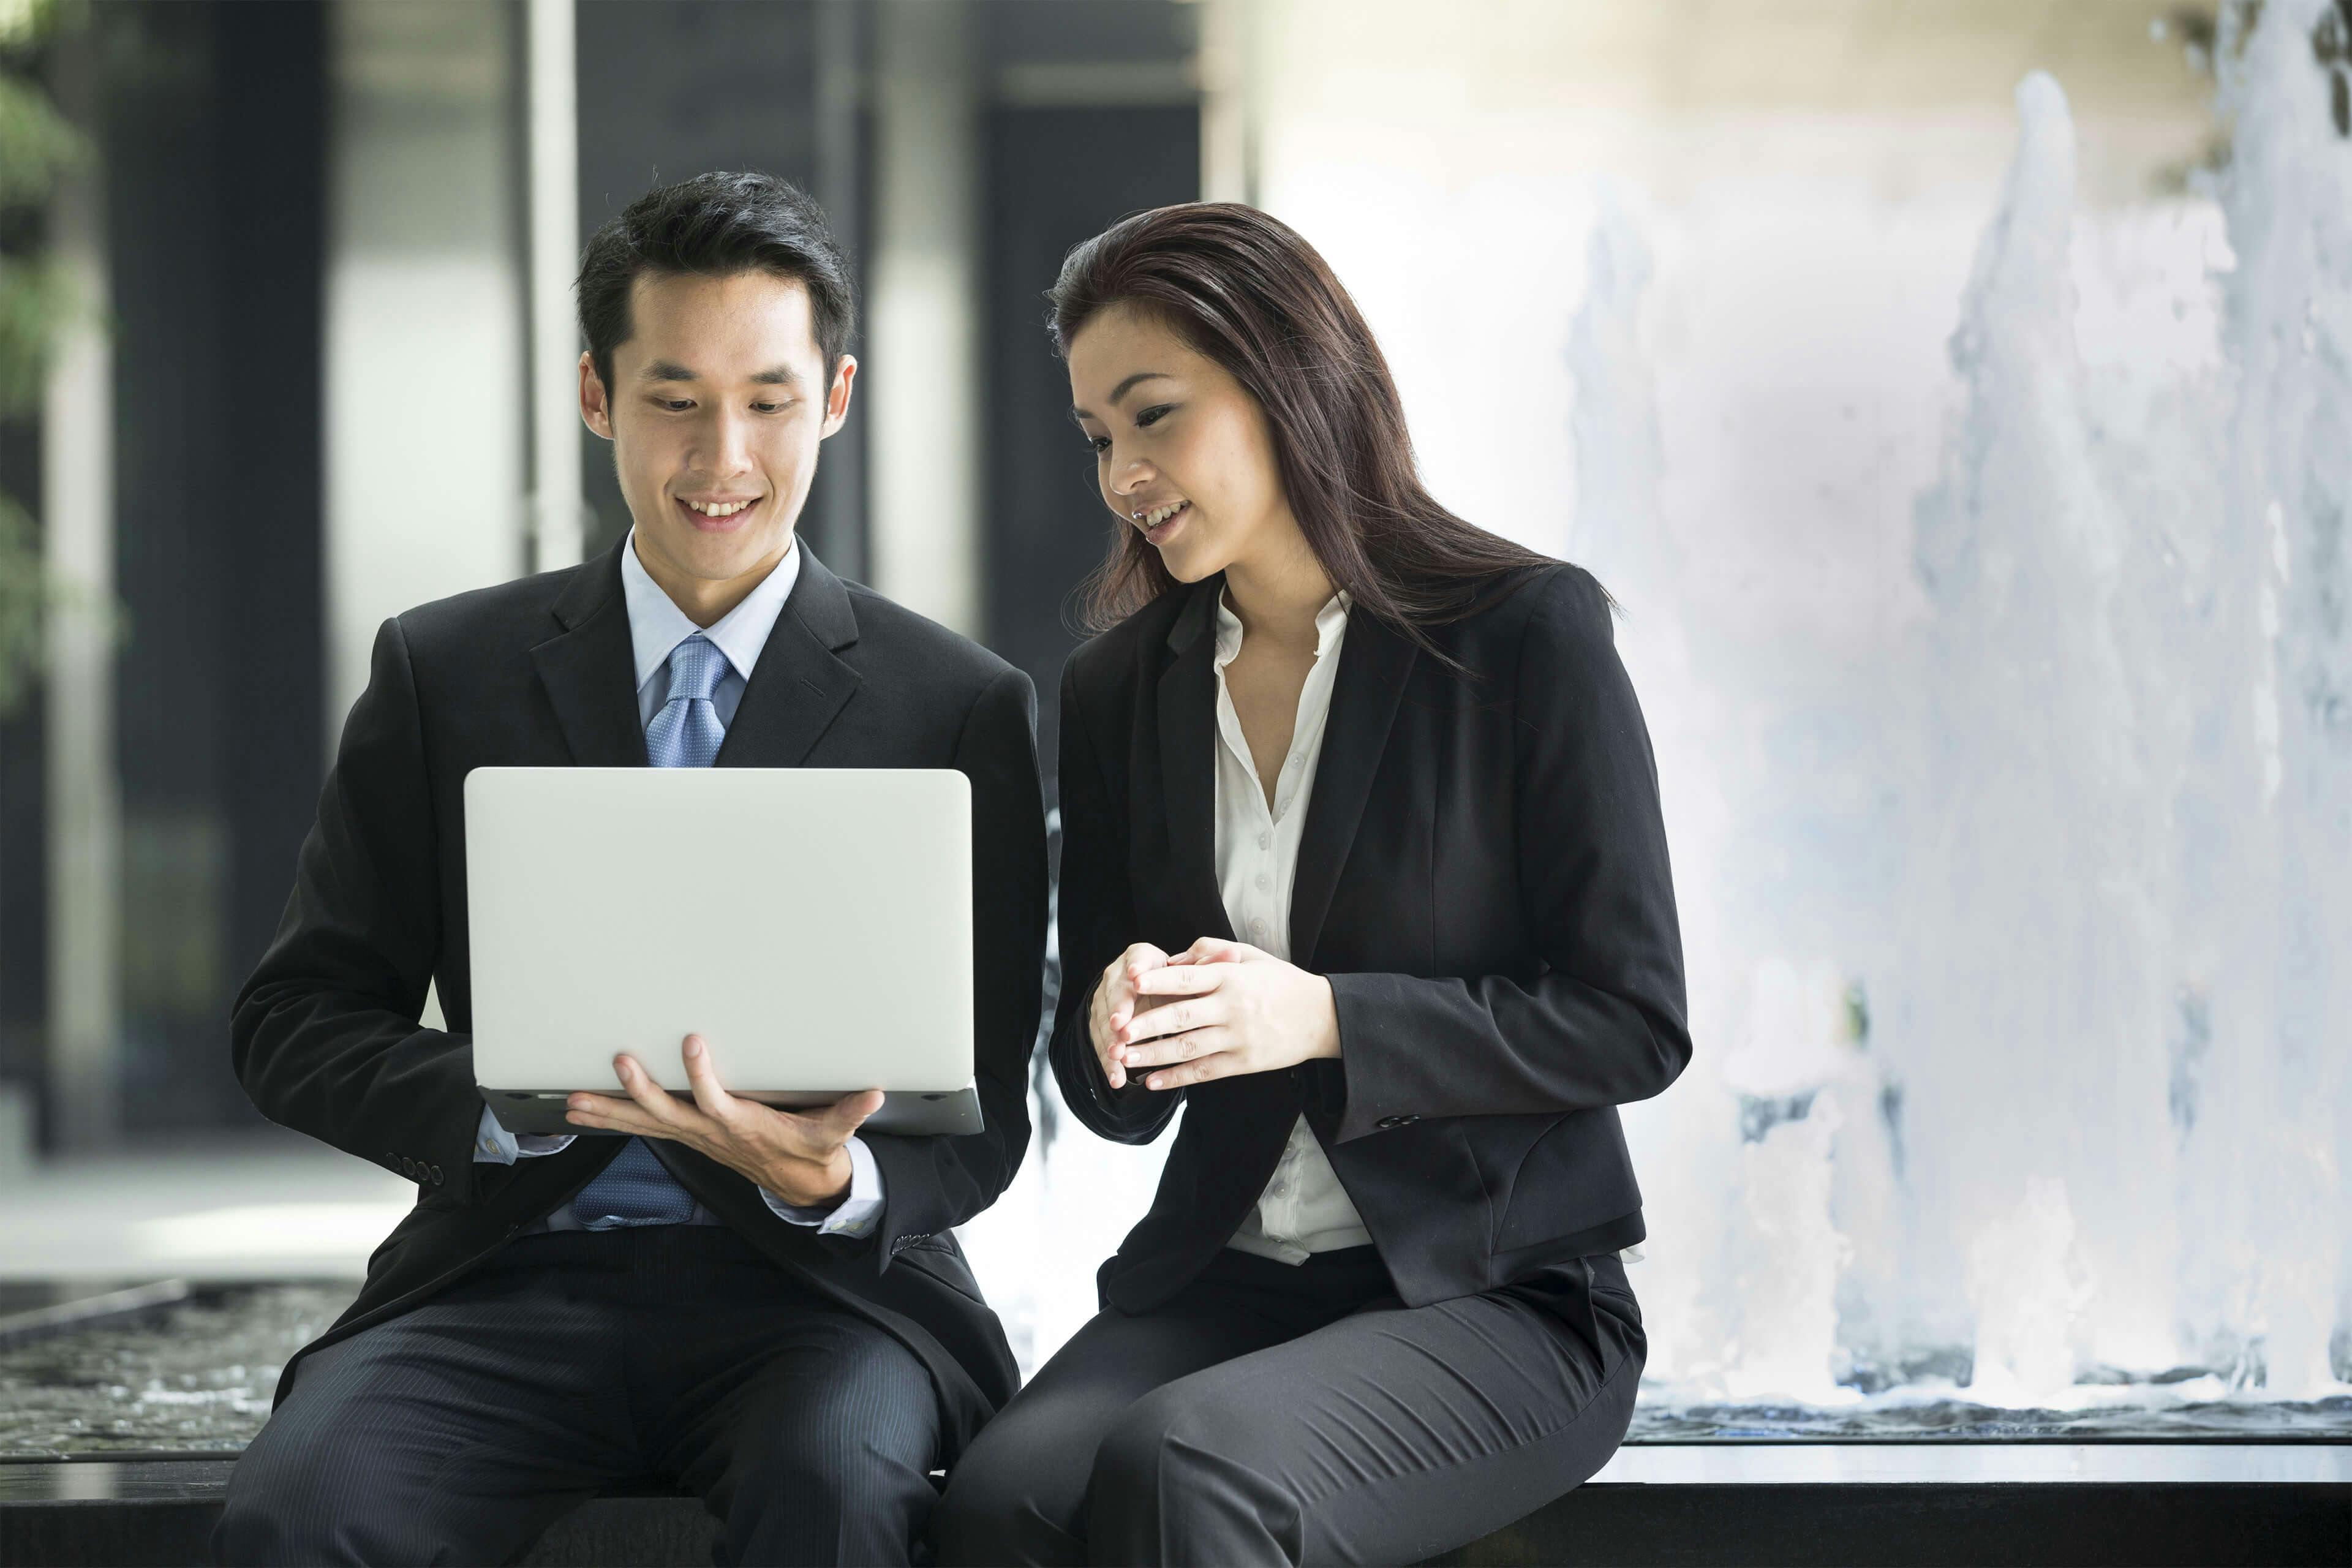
x,y
636,1188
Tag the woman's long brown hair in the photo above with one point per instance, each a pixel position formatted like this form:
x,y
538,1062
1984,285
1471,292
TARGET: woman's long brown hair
x,y
1245,291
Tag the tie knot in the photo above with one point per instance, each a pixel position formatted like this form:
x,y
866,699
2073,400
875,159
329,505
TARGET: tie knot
x,y
696,668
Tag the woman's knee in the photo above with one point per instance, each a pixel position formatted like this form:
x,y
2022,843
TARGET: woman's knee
x,y
996,1511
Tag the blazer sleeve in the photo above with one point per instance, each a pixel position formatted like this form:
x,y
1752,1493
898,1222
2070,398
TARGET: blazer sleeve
x,y
1602,1021
1097,922
324,1037
931,1184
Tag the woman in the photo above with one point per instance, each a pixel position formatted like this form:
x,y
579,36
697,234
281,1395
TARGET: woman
x,y
1362,865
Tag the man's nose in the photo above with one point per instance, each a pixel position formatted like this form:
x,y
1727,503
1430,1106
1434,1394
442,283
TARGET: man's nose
x,y
730,443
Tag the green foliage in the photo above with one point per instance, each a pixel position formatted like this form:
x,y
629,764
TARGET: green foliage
x,y
35,143
25,599
35,299
36,147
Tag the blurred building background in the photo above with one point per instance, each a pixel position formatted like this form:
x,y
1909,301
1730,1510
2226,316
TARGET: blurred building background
x,y
332,246
1895,362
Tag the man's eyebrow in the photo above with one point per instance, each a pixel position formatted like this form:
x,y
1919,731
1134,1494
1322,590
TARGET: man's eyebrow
x,y
670,370
1123,388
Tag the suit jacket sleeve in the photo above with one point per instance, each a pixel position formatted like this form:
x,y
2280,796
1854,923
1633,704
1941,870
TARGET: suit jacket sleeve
x,y
931,1184
324,1036
1601,1021
1097,922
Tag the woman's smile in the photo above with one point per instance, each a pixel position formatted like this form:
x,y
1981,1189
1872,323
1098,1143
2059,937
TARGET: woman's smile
x,y
1159,524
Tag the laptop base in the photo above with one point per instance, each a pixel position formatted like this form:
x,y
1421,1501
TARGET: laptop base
x,y
905,1114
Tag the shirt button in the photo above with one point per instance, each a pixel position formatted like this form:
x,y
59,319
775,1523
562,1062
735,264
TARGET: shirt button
x,y
1266,840
1263,881
1258,926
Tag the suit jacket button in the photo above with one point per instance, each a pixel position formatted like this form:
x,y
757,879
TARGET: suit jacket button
x,y
437,1174
408,1167
1387,1122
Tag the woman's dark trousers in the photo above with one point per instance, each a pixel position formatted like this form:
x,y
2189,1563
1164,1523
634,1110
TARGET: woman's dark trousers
x,y
1271,1414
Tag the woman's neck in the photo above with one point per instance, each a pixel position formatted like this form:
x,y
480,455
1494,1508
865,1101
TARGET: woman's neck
x,y
1278,595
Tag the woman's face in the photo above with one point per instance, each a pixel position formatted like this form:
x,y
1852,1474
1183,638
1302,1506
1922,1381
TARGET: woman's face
x,y
1178,441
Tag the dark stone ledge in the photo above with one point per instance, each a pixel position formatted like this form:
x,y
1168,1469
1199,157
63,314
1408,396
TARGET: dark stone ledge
x,y
1937,1504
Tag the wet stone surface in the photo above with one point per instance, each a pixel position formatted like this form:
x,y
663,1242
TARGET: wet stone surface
x,y
197,1378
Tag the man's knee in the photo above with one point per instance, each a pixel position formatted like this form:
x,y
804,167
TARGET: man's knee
x,y
292,1503
875,1416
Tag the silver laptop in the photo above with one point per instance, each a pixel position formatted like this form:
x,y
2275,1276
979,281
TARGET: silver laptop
x,y
815,925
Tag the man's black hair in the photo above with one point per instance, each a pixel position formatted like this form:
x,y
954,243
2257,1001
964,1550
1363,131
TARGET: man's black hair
x,y
715,226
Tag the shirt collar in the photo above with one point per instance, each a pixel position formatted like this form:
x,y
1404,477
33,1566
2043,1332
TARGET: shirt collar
x,y
657,626
1330,622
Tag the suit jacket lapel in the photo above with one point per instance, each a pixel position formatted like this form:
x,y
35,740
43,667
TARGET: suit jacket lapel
x,y
590,671
800,683
1187,702
1375,662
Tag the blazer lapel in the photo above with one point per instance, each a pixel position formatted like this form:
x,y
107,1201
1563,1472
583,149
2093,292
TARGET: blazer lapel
x,y
1375,662
589,670
1187,701
800,683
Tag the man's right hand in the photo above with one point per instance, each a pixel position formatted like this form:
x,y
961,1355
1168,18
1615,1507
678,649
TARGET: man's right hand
x,y
1115,1002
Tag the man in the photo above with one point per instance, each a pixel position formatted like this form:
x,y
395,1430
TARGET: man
x,y
767,1306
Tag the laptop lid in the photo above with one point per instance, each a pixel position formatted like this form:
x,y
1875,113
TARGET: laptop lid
x,y
813,924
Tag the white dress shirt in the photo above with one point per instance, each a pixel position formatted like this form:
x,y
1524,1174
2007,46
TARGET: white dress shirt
x,y
657,626
1304,1210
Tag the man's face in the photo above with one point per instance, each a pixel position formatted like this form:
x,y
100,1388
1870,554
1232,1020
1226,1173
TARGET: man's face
x,y
718,399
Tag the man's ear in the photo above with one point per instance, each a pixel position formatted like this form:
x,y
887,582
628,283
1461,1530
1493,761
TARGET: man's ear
x,y
596,402
836,396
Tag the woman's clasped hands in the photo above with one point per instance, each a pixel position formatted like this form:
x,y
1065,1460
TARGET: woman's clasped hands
x,y
1217,1009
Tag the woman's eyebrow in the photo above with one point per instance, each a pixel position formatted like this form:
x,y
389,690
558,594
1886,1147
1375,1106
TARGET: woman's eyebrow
x,y
1123,388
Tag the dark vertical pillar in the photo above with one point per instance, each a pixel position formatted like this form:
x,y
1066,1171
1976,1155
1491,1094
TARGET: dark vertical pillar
x,y
23,781
213,146
24,824
679,87
1055,176
273,135
174,485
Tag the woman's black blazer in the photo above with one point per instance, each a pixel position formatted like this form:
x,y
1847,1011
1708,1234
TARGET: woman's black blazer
x,y
1484,880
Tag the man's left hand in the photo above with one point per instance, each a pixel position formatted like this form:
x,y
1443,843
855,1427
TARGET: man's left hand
x,y
802,1158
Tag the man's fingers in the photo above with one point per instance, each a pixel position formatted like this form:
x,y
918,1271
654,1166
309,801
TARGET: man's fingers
x,y
1217,950
607,1113
650,1097
703,1079
846,1115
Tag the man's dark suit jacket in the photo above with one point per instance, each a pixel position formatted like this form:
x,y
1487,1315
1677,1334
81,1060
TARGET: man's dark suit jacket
x,y
1484,880
540,673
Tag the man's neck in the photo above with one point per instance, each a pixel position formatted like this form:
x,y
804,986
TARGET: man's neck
x,y
704,601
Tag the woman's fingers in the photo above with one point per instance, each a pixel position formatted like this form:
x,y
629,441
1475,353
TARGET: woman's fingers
x,y
1137,961
1180,979
1184,1048
1201,1069
1173,1018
